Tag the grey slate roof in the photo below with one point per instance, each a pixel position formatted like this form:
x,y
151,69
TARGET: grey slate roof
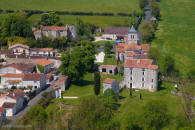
x,y
132,30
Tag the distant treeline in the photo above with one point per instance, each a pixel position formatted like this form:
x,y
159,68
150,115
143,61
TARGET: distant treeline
x,y
31,12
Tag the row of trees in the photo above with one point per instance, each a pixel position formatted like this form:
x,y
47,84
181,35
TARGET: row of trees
x,y
155,10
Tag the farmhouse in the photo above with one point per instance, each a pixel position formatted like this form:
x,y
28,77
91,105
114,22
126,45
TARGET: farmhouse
x,y
34,80
56,31
141,74
12,102
18,68
19,49
109,83
126,51
110,69
4,53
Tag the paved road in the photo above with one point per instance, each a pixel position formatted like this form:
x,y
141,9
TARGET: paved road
x,y
148,17
31,103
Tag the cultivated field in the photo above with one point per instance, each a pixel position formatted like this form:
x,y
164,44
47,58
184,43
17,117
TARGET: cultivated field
x,y
176,32
111,6
101,21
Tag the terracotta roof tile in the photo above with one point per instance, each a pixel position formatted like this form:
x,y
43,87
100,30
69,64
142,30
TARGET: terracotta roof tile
x,y
13,75
20,45
14,81
61,80
132,47
41,49
43,62
1,110
145,47
21,66
53,28
129,53
32,77
16,94
140,63
108,66
109,81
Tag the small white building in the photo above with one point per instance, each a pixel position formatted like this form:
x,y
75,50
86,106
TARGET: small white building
x,y
57,92
109,83
10,108
109,69
113,32
62,82
19,49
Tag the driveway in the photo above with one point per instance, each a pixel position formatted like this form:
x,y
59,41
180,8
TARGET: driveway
x,y
148,17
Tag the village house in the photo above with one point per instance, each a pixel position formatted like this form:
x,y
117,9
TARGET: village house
x,y
126,51
4,53
46,64
18,68
109,69
62,82
2,115
57,92
109,83
128,35
32,81
56,31
12,102
20,49
141,74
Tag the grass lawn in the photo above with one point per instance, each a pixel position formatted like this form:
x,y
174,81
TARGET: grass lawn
x,y
101,21
135,105
111,6
175,34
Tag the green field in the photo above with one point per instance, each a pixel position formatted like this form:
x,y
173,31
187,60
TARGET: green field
x,y
101,21
176,31
110,6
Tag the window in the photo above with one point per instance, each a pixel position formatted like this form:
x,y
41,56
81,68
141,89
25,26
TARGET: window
x,y
152,80
110,71
142,79
143,72
104,70
142,85
152,86
131,78
131,85
131,72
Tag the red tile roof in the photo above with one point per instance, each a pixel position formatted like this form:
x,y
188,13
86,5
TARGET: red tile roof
x,y
132,47
53,28
140,63
143,56
14,81
32,77
145,47
43,62
8,105
19,45
55,87
13,75
48,76
121,47
16,94
41,49
61,80
129,53
108,66
109,81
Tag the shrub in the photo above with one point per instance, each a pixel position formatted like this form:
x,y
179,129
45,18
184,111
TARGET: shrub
x,y
40,68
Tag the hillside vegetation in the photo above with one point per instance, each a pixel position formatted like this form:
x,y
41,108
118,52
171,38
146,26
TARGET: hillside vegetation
x,y
111,6
175,32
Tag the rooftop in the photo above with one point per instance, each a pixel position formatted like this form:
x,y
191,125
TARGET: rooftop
x,y
109,81
116,30
19,45
20,66
43,62
53,28
41,49
108,66
8,105
140,63
61,80
24,77
1,110
132,30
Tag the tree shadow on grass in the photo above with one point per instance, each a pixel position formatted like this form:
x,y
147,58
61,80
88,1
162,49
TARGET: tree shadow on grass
x,y
83,83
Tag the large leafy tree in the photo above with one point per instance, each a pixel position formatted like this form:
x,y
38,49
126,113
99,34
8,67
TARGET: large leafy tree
x,y
155,10
147,31
79,61
108,47
16,25
50,19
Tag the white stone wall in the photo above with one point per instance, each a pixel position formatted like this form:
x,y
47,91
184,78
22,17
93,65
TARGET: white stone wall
x,y
108,70
139,79
9,70
9,85
133,38
6,99
110,36
20,50
11,111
